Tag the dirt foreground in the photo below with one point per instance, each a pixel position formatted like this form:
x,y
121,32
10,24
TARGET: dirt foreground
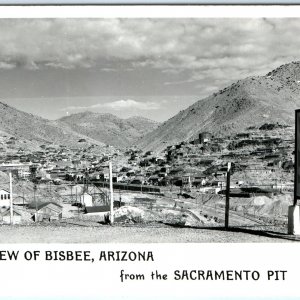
x,y
133,234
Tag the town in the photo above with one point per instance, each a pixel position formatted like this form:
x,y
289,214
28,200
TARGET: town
x,y
182,185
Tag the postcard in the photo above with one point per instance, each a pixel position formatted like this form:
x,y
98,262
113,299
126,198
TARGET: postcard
x,y
149,152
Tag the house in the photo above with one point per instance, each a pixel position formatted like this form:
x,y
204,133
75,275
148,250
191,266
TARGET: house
x,y
117,177
17,168
100,212
97,209
154,179
5,217
48,211
138,180
199,181
277,163
105,175
205,137
148,153
210,190
243,135
4,198
186,179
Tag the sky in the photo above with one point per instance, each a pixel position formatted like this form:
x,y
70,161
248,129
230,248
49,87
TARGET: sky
x,y
148,67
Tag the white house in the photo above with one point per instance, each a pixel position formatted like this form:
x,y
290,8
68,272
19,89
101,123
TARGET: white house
x,y
86,199
4,198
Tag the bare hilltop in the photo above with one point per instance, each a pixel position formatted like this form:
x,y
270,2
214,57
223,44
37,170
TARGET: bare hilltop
x,y
93,128
26,126
108,128
252,101
271,98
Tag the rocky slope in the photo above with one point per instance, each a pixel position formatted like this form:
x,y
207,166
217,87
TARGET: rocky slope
x,y
108,128
29,127
252,101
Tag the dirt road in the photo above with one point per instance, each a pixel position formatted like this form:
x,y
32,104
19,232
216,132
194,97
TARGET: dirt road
x,y
133,234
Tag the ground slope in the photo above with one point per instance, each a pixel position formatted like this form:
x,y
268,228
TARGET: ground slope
x,y
27,126
252,101
108,128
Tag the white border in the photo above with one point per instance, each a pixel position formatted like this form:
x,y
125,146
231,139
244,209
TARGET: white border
x,y
163,11
101,280
83,280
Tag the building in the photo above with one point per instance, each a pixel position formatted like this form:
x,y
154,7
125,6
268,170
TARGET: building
x,y
5,217
21,170
20,201
4,198
105,175
186,180
204,137
86,199
48,211
97,209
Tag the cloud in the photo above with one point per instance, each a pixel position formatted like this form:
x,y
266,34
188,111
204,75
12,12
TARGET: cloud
x,y
7,65
129,104
202,52
118,105
186,44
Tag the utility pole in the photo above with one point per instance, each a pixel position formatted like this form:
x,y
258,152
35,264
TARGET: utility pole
x,y
34,197
71,193
11,200
111,195
87,180
227,196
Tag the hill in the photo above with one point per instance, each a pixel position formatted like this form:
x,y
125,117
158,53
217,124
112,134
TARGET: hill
x,y
108,128
249,102
29,127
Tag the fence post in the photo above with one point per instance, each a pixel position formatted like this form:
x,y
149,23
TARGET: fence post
x,y
227,196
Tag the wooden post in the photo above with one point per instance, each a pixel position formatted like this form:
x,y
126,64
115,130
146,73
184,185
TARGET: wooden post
x,y
111,194
34,196
227,196
77,202
72,193
11,200
294,210
296,185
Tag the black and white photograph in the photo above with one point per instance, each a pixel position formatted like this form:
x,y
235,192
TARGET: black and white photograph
x,y
149,130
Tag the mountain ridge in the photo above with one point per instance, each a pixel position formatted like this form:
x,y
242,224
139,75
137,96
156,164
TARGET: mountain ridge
x,y
30,127
255,100
109,128
27,126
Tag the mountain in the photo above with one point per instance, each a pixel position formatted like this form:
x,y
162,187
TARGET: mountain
x,y
249,102
29,127
108,128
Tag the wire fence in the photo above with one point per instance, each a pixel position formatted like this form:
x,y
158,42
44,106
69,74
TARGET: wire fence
x,y
270,210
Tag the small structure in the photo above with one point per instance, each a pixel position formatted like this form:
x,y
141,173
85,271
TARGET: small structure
x,y
5,217
20,201
48,211
97,209
186,180
104,175
204,137
86,199
4,198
